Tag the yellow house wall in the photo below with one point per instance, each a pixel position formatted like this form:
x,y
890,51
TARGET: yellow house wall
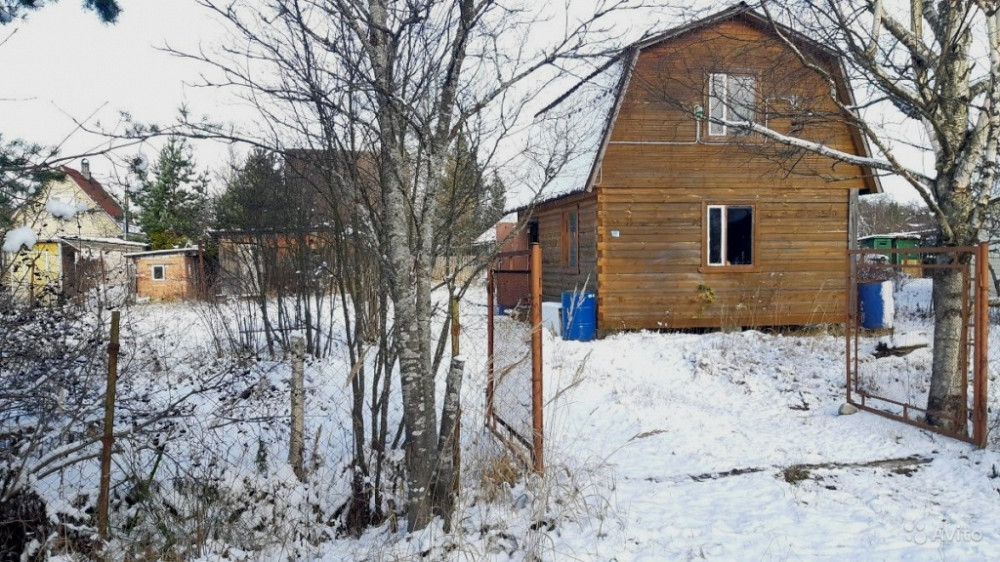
x,y
32,274
94,222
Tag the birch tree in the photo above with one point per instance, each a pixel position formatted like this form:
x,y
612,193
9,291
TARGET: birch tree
x,y
927,79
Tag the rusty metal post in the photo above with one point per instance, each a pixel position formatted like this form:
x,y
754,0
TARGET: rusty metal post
x,y
108,440
490,311
981,365
536,358
456,350
849,321
202,280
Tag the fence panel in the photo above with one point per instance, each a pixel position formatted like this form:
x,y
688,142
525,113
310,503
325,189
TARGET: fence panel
x,y
514,386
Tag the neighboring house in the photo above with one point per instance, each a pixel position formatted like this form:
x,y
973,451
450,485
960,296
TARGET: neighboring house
x,y
175,274
323,193
677,220
912,262
79,246
255,262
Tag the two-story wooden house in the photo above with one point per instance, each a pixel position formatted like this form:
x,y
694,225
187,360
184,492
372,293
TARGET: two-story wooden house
x,y
677,217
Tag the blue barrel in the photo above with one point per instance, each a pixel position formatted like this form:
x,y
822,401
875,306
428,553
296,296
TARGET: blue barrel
x,y
579,315
872,307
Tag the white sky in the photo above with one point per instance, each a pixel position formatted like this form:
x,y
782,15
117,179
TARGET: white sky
x,y
62,65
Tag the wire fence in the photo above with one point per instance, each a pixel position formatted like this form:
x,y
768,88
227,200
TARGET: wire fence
x,y
514,384
213,444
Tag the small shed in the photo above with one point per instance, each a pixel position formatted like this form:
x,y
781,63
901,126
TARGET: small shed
x,y
167,274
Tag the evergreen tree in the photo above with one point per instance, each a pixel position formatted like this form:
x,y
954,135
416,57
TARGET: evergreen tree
x,y
173,200
255,196
107,10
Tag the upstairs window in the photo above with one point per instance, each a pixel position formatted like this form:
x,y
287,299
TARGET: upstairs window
x,y
730,235
731,97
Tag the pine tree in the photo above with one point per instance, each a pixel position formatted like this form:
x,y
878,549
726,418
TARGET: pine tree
x,y
173,200
255,196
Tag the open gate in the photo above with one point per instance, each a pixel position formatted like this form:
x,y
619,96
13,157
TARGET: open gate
x,y
889,331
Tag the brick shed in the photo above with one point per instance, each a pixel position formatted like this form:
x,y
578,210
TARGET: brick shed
x,y
166,274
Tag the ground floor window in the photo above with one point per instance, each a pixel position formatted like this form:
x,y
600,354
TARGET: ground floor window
x,y
730,235
159,272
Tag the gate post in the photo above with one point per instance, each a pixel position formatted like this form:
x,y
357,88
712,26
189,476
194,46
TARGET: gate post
x,y
536,357
980,349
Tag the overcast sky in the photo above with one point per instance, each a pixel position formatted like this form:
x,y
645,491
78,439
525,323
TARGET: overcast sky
x,y
62,64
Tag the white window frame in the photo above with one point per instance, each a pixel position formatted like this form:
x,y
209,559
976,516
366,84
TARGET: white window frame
x,y
721,106
163,272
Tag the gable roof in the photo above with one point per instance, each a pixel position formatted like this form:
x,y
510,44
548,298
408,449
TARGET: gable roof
x,y
96,192
579,173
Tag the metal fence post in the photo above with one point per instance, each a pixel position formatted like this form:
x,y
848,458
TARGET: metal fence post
x,y
108,439
490,311
297,440
982,331
536,358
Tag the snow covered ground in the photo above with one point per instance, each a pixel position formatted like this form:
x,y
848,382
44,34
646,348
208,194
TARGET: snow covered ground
x,y
664,446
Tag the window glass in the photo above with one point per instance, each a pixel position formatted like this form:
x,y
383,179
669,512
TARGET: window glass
x,y
731,97
158,272
715,235
730,235
739,235
742,97
574,242
717,103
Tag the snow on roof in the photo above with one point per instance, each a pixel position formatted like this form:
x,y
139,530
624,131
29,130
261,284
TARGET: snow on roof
x,y
911,234
576,123
100,240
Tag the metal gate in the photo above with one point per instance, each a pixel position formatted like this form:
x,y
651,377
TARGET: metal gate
x,y
514,370
883,375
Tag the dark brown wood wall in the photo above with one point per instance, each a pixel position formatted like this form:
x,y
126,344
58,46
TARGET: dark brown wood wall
x,y
656,180
556,278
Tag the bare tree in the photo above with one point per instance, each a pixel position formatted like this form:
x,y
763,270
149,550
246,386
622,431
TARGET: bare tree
x,y
388,88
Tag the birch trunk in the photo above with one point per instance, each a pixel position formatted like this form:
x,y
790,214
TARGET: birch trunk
x,y
945,402
446,479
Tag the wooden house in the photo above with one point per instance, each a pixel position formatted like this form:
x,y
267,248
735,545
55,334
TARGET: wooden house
x,y
168,274
678,216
